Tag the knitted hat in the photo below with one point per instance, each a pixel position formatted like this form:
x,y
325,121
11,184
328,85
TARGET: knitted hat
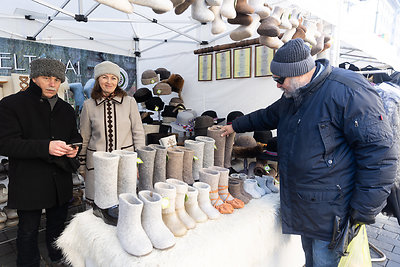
x,y
164,73
292,59
162,89
142,95
149,77
107,67
48,67
155,103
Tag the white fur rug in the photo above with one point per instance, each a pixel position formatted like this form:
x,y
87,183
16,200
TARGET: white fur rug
x,y
249,237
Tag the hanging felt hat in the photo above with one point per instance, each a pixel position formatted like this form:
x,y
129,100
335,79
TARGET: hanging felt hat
x,y
201,125
213,115
233,115
184,121
142,94
175,101
164,73
149,77
162,89
155,103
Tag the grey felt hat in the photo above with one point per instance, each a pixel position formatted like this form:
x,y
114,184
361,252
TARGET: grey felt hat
x,y
48,67
292,59
149,77
107,67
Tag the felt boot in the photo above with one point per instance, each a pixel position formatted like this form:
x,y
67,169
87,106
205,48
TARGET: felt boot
x,y
228,150
287,36
211,177
175,163
311,32
130,232
228,9
262,183
241,182
219,154
209,147
223,185
176,3
271,42
214,2
121,5
270,184
160,163
315,49
204,200
198,148
169,216
146,169
200,12
258,188
250,186
300,32
241,19
182,7
160,6
187,174
260,8
285,23
218,25
192,206
243,32
235,190
181,191
243,7
269,27
127,171
160,236
294,18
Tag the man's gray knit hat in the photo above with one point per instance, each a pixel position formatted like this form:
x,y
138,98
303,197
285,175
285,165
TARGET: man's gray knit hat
x,y
292,59
47,67
107,67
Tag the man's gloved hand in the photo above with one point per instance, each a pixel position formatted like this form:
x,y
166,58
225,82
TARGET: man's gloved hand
x,y
358,217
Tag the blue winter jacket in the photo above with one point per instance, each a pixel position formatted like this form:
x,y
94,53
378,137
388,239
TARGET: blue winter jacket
x,y
336,153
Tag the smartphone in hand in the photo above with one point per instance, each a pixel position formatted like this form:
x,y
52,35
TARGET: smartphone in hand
x,y
75,145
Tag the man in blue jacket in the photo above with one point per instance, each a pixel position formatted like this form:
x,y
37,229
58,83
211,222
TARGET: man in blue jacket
x,y
336,154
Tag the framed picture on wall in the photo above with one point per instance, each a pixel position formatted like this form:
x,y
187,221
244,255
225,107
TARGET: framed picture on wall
x,y
262,59
242,62
223,65
205,67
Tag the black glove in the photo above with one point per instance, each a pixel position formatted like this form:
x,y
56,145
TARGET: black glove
x,y
358,217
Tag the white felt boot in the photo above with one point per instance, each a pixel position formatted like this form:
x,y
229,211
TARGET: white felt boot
x,y
198,148
294,18
285,23
271,42
159,234
192,206
270,184
218,25
127,171
214,2
131,235
121,5
260,8
250,186
315,49
105,179
311,32
158,5
205,202
181,191
243,32
287,36
262,183
200,12
169,216
228,9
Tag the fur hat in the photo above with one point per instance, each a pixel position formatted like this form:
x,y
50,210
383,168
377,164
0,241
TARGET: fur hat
x,y
292,59
47,67
246,147
176,81
233,115
142,94
149,77
213,115
155,103
162,89
164,73
107,67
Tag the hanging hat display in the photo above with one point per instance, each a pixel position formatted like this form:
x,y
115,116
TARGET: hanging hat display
x,y
184,121
213,115
163,72
142,94
149,77
155,103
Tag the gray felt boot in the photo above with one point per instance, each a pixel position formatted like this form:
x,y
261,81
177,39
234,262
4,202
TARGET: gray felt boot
x,y
187,164
146,169
160,163
127,171
209,147
228,150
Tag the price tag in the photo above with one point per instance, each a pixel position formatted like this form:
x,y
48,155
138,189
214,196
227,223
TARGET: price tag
x,y
267,168
156,108
195,158
215,147
139,161
159,91
165,203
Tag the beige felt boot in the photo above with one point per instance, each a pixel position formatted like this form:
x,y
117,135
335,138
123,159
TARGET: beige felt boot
x,y
131,235
200,12
181,191
285,23
175,163
259,8
228,150
188,155
127,171
287,36
219,154
311,32
315,49
160,236
228,9
204,200
271,42
218,25
192,205
169,216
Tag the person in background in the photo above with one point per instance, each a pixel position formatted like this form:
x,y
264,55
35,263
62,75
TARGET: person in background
x,y
36,132
336,154
110,120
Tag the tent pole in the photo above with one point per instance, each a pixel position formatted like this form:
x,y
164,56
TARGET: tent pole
x,y
54,7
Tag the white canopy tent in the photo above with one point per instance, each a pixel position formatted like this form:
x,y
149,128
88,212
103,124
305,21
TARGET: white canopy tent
x,y
167,40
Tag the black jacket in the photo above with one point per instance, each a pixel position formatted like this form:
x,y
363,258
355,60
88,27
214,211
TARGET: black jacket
x,y
27,125
336,153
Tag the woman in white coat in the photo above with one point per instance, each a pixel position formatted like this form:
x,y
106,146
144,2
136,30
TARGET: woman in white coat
x,y
109,121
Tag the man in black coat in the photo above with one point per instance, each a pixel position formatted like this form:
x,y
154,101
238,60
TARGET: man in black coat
x,y
36,132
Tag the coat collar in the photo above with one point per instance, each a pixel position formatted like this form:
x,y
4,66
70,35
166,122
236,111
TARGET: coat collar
x,y
115,99
34,89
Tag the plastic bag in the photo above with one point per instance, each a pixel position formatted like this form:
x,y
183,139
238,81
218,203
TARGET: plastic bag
x,y
358,251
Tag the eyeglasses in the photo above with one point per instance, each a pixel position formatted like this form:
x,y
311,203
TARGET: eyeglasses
x,y
279,80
